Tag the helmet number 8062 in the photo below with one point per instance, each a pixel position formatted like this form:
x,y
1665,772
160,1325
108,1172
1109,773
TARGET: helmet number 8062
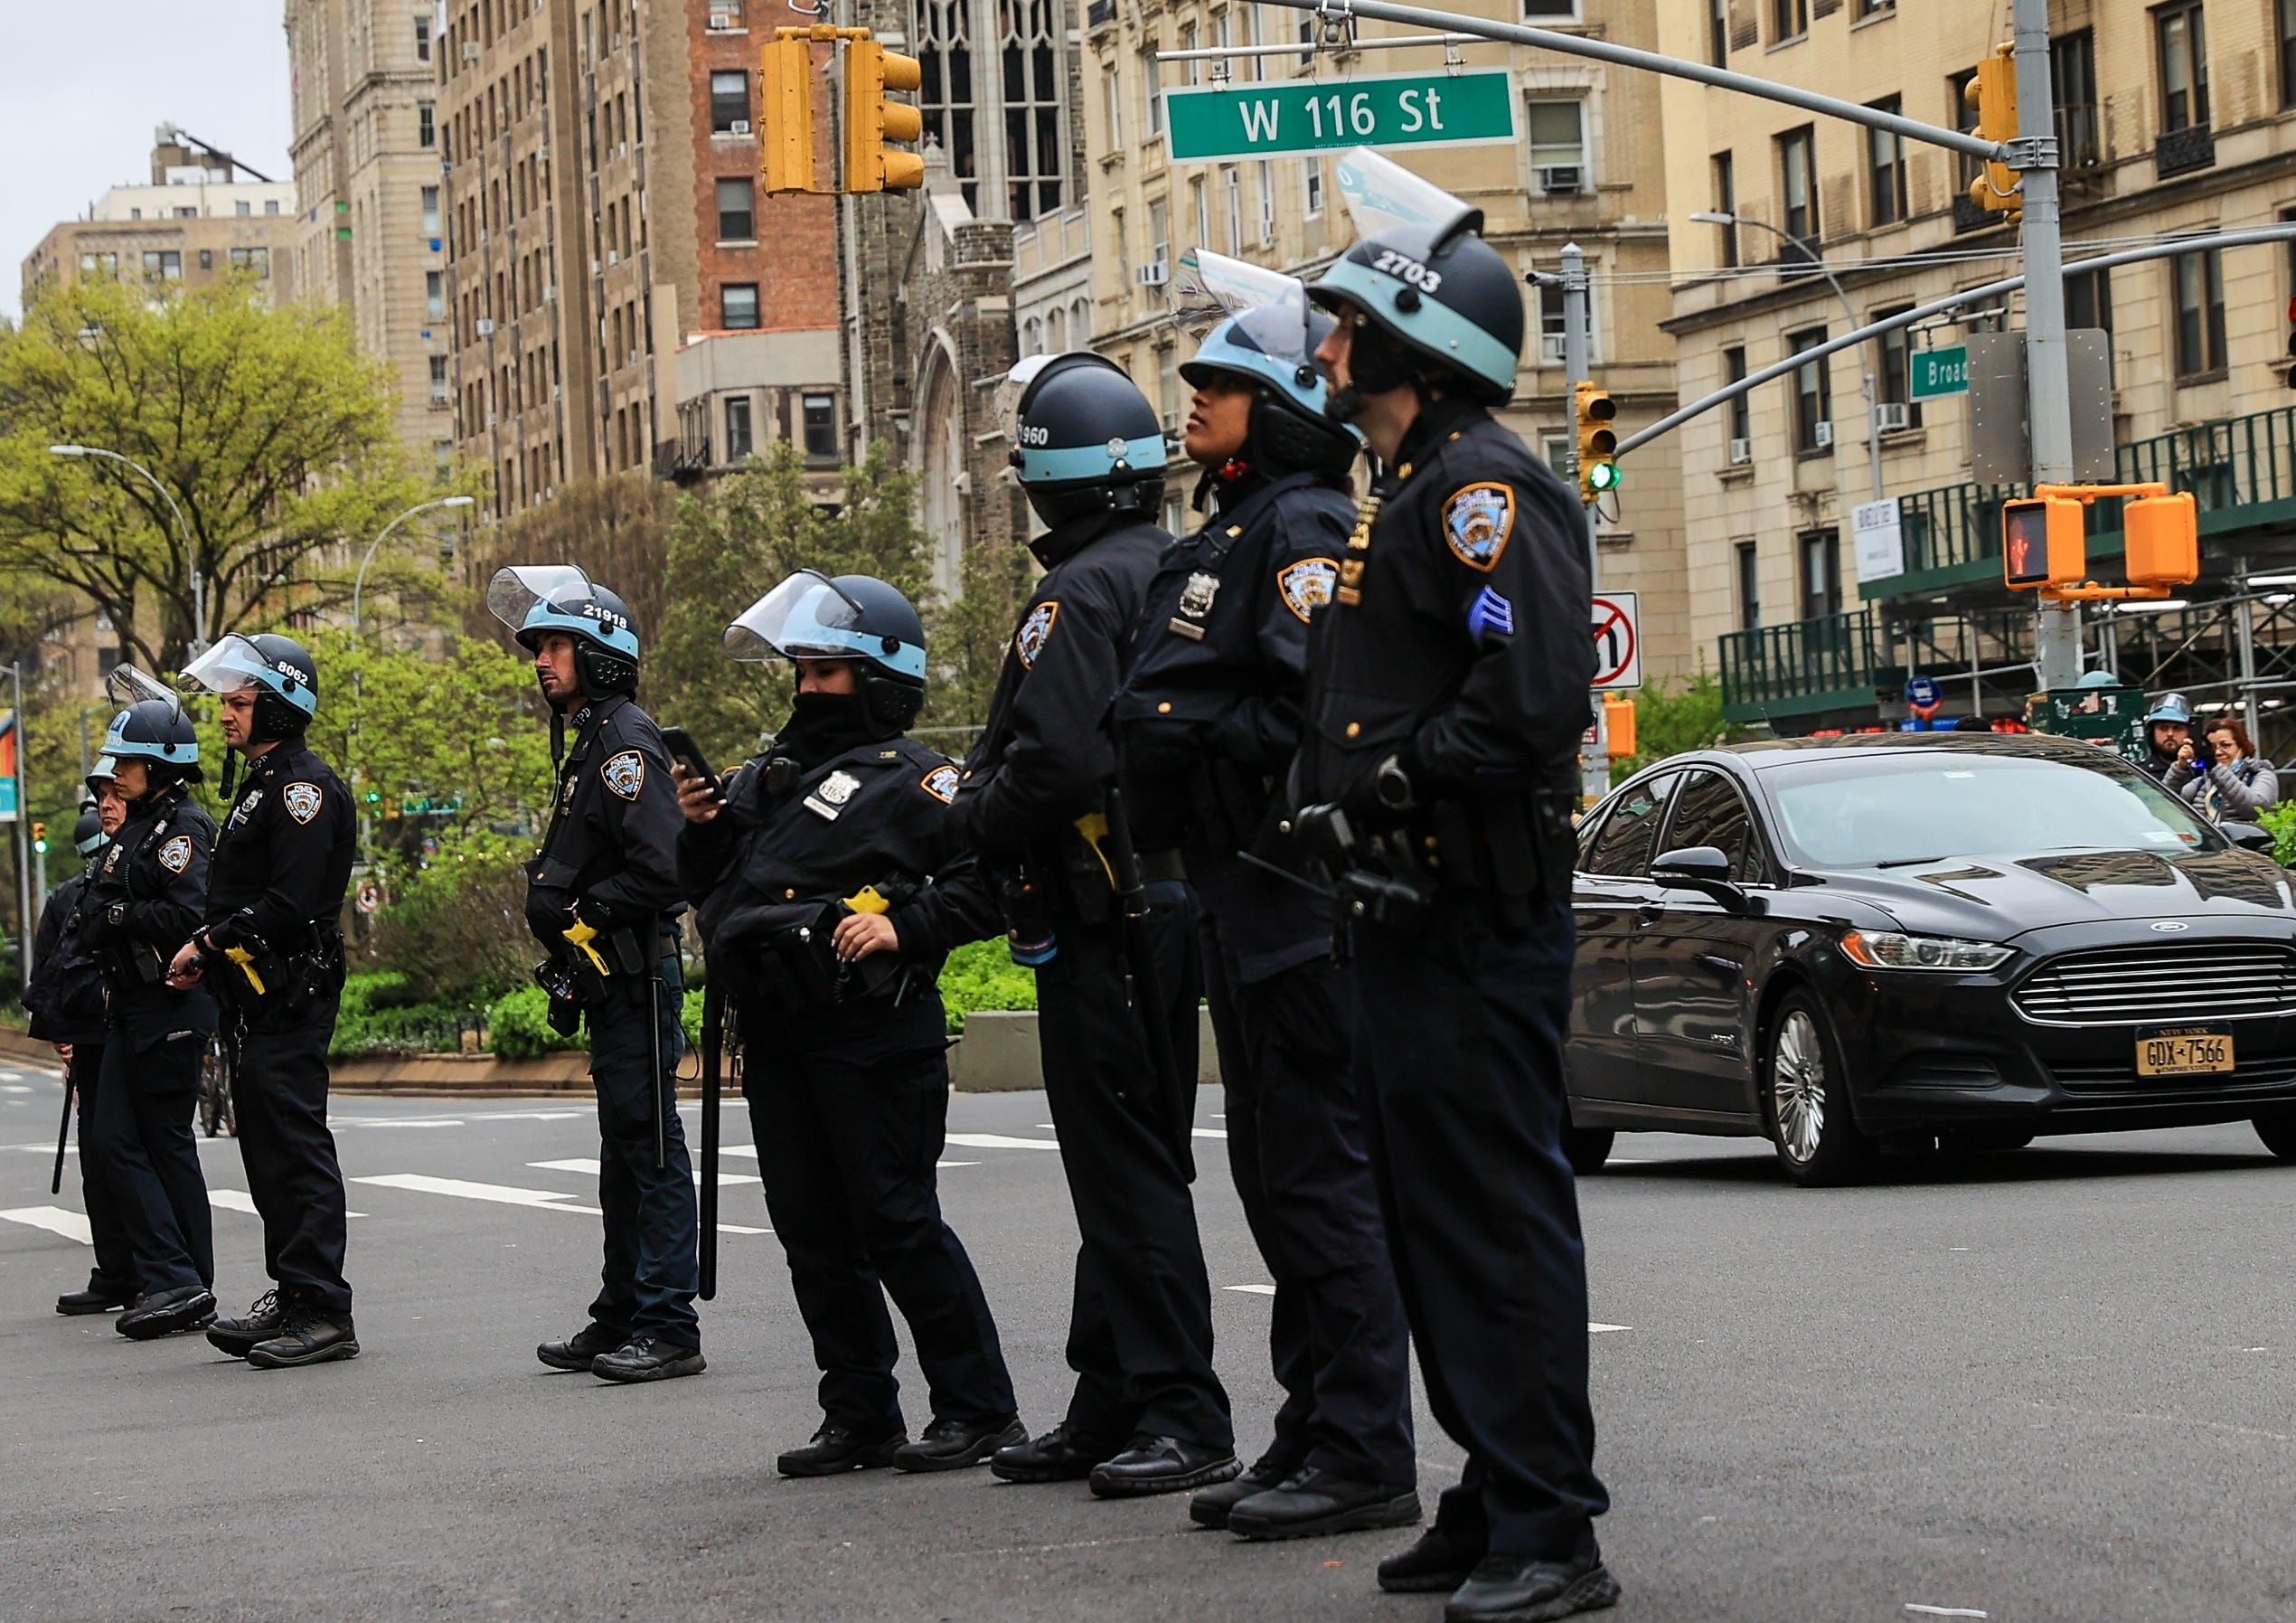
x,y
1407,268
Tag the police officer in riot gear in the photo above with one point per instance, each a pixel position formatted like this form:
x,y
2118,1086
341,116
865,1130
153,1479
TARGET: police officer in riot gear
x,y
66,999
1148,1414
1447,690
1210,719
602,897
145,897
271,950
829,888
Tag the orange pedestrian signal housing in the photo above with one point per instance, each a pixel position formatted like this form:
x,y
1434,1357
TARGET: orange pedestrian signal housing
x,y
2044,542
1618,726
2163,536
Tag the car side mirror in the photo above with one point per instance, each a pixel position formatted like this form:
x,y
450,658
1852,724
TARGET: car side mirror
x,y
1703,869
2248,836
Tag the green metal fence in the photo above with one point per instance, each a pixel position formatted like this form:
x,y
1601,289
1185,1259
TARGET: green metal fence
x,y
1798,667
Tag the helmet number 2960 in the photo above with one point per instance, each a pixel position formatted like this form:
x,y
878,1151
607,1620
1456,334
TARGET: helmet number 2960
x,y
1406,268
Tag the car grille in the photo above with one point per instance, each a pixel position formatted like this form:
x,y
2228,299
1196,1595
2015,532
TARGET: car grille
x,y
2119,1084
2160,985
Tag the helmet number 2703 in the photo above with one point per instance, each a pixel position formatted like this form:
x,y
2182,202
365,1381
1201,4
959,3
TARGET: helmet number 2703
x,y
1406,268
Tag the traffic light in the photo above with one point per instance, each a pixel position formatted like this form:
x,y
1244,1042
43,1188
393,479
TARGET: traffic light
x,y
1598,469
1618,725
2164,539
1992,92
786,115
39,838
870,120
2044,542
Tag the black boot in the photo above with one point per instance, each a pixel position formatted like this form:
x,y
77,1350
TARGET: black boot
x,y
308,1334
1522,1589
240,1335
166,1312
102,1295
1317,1502
648,1359
1162,1464
1441,1559
581,1349
1061,1455
953,1444
1209,1508
838,1449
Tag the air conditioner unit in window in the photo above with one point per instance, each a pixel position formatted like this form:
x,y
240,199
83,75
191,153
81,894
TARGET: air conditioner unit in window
x,y
1891,416
490,420
739,127
1741,452
720,21
1821,434
486,325
1155,274
470,51
1562,179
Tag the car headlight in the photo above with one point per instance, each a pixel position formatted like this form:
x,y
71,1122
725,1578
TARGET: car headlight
x,y
1888,949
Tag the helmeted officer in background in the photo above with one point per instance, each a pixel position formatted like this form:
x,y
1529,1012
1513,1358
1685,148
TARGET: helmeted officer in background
x,y
66,999
1148,1414
602,897
1437,772
145,899
271,950
1210,719
829,888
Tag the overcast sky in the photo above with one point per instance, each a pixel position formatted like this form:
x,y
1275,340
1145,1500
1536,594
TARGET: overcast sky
x,y
82,85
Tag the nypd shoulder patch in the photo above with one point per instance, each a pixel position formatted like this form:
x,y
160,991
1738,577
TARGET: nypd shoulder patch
x,y
176,854
1028,641
941,784
1306,586
1477,519
301,800
624,774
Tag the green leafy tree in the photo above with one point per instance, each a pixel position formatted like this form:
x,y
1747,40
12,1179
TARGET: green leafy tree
x,y
1670,717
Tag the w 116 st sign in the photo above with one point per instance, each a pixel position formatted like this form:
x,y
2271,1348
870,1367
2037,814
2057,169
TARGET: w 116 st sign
x,y
1391,109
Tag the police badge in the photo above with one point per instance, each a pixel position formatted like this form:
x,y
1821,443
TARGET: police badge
x,y
1196,597
1477,521
1028,641
301,800
624,774
1306,586
830,795
941,784
176,854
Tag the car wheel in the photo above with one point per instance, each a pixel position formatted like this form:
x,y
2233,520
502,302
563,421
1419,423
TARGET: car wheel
x,y
1586,1148
1805,1097
2278,1131
1982,1141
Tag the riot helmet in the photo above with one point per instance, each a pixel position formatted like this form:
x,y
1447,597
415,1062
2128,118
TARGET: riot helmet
x,y
535,600
88,835
2170,707
1085,439
280,670
855,617
1269,342
153,729
1433,301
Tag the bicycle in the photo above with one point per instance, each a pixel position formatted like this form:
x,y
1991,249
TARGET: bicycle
x,y
216,1113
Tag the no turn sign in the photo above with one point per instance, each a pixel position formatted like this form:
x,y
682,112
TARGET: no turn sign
x,y
1618,642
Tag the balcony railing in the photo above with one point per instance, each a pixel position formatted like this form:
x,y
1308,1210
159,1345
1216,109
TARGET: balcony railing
x,y
2181,151
1805,665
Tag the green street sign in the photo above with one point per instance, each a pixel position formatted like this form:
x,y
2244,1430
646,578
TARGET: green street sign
x,y
1940,372
1389,109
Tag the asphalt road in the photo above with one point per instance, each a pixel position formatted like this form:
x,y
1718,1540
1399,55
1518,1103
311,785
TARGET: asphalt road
x,y
2055,1387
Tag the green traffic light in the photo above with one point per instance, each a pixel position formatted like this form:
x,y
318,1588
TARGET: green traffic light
x,y
1605,476
41,847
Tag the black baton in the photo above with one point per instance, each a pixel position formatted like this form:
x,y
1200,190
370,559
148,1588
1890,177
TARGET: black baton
x,y
63,1131
1147,988
713,1038
662,1107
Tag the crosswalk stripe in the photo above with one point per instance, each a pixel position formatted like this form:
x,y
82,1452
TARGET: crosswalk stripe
x,y
751,1151
56,1220
725,1180
1592,1326
999,1141
544,1200
240,1200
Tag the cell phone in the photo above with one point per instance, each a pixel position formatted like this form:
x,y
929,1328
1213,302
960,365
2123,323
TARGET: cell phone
x,y
688,754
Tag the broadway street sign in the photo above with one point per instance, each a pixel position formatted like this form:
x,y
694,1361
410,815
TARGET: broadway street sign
x,y
1392,109
1938,372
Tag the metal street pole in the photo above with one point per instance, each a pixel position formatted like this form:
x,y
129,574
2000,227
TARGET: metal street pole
x,y
197,644
2048,371
1594,755
359,585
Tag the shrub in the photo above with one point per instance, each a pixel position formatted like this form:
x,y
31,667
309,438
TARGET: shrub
x,y
456,928
519,1026
380,1016
2281,821
981,976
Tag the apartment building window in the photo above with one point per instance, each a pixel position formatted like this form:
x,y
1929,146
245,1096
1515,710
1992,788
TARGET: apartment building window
x,y
1232,186
1036,144
1726,201
166,263
729,101
422,39
1863,9
2183,47
1717,33
1550,11
1813,393
430,210
1199,206
258,259
2072,73
1158,233
1820,553
1113,82
272,206
1885,168
2088,303
1168,384
947,99
739,303
437,380
1557,135
2200,314
425,130
819,414
207,259
1749,586
1798,185
1150,93
434,294
1312,175
243,207
736,211
1123,243
738,443
1552,326
186,214
1741,407
2285,33
1788,20
99,264
1894,384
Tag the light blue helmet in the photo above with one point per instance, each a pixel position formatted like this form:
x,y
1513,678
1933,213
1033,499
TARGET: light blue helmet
x,y
1269,340
2169,707
1085,439
1263,344
153,728
534,599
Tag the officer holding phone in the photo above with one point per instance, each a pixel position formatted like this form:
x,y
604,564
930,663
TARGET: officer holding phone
x,y
602,898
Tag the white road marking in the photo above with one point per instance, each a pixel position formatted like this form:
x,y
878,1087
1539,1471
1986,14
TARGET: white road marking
x,y
1209,1132
15,1087
998,1141
1252,1290
56,1220
240,1200
396,1121
545,1199
1944,1611
726,1180
1594,1329
751,1151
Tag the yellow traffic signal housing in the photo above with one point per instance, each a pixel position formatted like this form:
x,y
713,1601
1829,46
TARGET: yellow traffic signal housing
x,y
39,838
2163,537
785,145
2044,542
1618,726
870,120
1597,415
1991,91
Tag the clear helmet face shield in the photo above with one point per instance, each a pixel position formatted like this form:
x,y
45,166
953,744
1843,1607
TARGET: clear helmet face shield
x,y
515,592
807,617
1388,201
125,685
232,664
1005,408
1270,308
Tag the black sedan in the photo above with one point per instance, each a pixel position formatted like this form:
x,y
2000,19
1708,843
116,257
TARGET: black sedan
x,y
1906,939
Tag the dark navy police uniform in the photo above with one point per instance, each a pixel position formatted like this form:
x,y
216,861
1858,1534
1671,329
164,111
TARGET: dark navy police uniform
x,y
845,1067
66,1001
1457,642
611,856
1210,719
282,865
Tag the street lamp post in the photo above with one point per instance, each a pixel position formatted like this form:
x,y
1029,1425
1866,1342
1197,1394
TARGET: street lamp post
x,y
1866,378
359,585
198,641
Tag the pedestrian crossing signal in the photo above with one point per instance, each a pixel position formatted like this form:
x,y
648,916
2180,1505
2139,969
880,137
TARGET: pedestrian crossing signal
x,y
2044,542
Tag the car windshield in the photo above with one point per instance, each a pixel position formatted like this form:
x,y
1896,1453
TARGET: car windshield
x,y
1885,810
